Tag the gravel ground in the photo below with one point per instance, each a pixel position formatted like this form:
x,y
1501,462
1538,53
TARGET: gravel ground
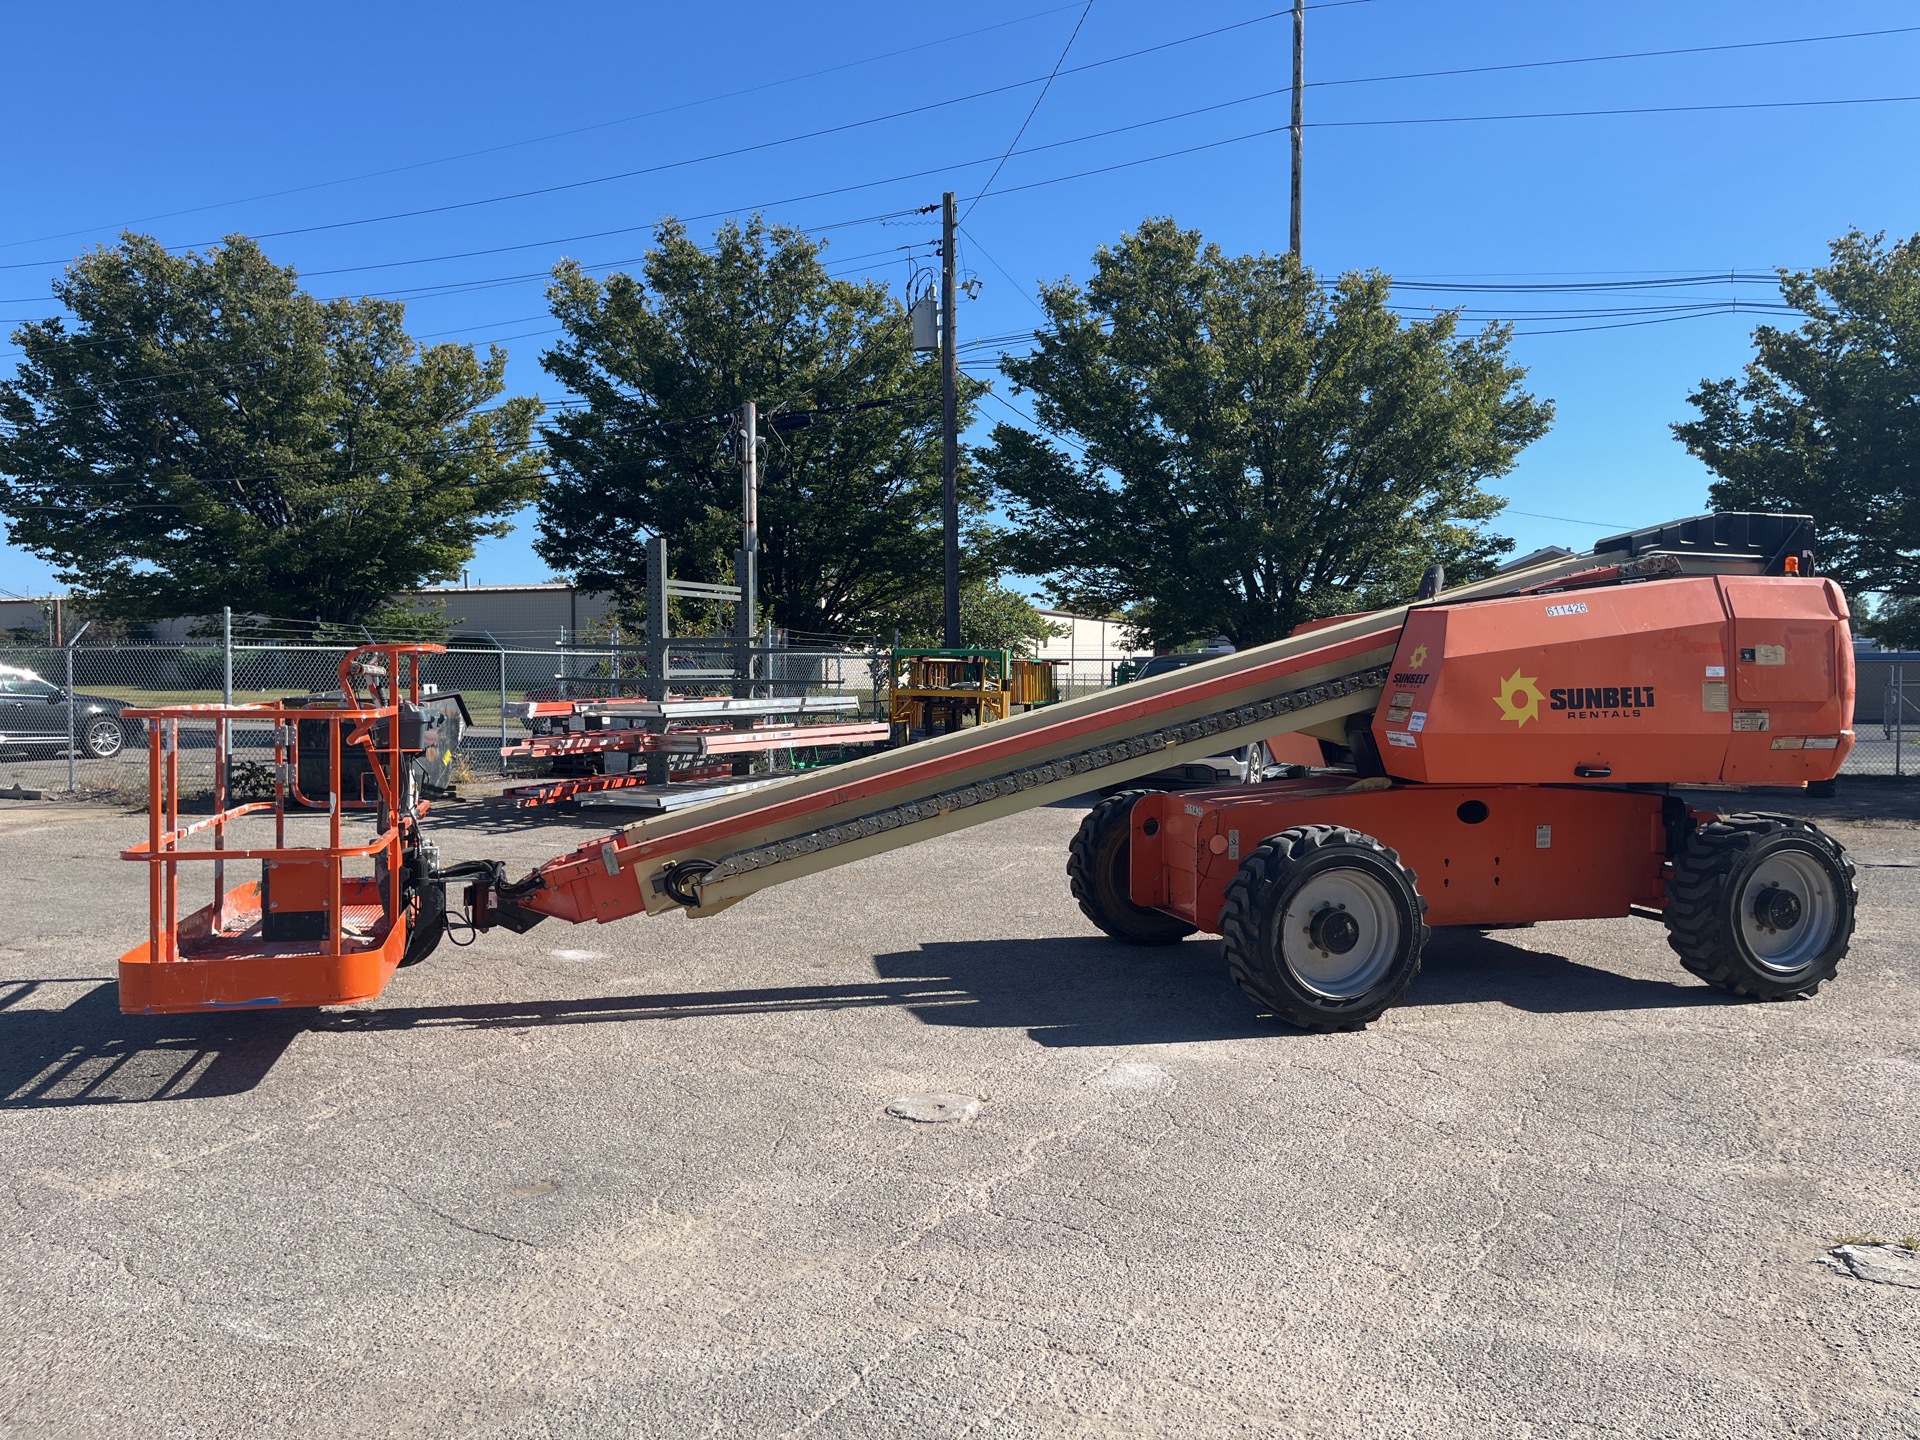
x,y
642,1179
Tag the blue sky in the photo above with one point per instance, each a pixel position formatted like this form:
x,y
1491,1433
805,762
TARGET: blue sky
x,y
174,120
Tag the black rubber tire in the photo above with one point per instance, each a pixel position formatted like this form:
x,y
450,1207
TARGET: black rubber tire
x,y
1706,886
1097,872
102,738
1258,896
426,920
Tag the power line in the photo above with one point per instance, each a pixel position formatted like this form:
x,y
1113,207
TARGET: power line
x,y
545,473
999,161
763,205
839,261
1050,434
729,153
1728,309
466,285
1035,108
1019,289
1665,282
1606,59
989,363
553,135
1566,519
186,373
1444,120
1623,110
463,285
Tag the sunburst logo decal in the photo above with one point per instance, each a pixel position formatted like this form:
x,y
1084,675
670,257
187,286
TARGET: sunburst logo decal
x,y
1519,699
1417,658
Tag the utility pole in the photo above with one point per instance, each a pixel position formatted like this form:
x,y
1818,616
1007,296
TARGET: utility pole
x,y
1299,98
747,571
949,425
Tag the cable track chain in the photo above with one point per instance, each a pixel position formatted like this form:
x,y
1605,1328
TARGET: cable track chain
x,y
1080,762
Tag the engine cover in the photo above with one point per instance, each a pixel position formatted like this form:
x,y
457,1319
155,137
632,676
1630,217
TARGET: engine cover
x,y
1690,680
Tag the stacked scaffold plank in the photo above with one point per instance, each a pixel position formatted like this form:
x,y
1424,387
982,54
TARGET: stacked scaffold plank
x,y
685,741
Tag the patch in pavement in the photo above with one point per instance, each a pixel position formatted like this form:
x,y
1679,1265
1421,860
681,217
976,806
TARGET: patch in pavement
x,y
934,1108
1130,1075
1882,1264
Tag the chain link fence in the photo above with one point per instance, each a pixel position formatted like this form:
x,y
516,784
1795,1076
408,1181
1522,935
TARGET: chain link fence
x,y
61,727
1886,714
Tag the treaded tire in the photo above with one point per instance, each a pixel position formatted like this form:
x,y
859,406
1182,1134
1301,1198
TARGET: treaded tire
x,y
1097,872
1257,900
1710,881
426,921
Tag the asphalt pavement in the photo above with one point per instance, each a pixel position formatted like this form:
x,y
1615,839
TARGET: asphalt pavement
x,y
643,1179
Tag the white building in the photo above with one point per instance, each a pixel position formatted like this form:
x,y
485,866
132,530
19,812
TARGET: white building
x,y
1089,649
520,616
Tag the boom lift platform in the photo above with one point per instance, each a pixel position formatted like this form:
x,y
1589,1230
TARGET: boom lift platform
x,y
1500,753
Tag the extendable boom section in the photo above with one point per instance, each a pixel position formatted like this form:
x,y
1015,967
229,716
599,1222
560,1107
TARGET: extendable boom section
x,y
706,859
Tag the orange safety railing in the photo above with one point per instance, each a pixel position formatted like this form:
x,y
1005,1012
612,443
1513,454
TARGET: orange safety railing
x,y
228,953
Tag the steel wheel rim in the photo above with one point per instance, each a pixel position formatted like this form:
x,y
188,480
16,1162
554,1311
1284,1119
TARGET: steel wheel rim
x,y
1367,901
1785,949
101,740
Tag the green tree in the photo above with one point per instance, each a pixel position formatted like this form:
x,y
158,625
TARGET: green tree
x,y
849,505
207,433
991,616
1826,419
1894,623
1251,449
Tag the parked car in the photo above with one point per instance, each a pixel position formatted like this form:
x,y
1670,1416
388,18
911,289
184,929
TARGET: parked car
x,y
34,712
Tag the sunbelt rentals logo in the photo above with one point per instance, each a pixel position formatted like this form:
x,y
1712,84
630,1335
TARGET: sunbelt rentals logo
x,y
1519,698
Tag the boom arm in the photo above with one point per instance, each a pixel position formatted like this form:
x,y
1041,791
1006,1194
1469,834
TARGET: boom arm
x,y
709,857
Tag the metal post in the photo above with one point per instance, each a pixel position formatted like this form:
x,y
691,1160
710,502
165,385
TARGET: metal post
x,y
1899,714
749,567
222,741
1298,127
73,739
657,627
223,755
659,655
949,425
503,701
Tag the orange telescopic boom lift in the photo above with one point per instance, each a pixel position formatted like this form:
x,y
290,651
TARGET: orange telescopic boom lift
x,y
1496,754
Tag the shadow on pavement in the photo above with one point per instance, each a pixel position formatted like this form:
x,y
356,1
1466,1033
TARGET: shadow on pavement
x,y
1074,991
1467,967
88,1053
1080,991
